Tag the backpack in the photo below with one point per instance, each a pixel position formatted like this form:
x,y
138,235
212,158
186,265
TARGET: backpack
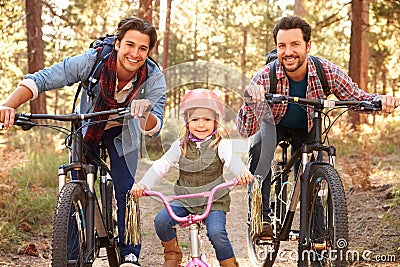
x,y
273,57
104,46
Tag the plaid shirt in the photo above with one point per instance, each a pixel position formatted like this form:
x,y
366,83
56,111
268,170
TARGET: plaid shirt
x,y
340,84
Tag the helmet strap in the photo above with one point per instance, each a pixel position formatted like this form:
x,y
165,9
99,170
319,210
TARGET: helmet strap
x,y
195,139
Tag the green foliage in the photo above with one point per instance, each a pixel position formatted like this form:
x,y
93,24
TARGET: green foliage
x,y
230,32
33,207
42,158
13,57
382,138
28,196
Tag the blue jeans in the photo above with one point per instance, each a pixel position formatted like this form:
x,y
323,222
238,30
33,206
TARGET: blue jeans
x,y
123,170
215,225
298,136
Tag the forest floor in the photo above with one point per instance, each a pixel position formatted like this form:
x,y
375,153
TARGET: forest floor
x,y
374,227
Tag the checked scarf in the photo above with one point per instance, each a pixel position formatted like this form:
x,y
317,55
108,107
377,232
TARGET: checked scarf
x,y
106,100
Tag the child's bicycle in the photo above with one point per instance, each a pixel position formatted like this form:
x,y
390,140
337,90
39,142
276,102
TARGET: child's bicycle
x,y
84,220
192,221
323,235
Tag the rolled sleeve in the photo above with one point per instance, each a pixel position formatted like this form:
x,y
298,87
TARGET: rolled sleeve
x,y
153,131
31,85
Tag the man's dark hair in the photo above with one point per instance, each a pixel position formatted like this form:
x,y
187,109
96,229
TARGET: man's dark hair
x,y
288,23
140,25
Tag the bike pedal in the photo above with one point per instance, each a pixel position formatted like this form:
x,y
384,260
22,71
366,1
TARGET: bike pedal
x,y
294,235
265,238
264,242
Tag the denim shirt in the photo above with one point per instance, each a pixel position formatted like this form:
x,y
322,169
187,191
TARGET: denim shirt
x,y
77,68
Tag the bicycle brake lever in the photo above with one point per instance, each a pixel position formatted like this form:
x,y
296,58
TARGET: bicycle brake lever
x,y
370,106
24,122
377,104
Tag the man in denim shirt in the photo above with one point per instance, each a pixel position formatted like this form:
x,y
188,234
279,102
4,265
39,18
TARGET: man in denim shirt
x,y
127,71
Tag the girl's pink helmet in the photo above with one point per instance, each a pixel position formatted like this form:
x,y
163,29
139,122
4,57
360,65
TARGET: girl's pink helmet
x,y
201,98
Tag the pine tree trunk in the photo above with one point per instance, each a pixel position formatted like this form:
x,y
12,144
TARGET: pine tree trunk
x,y
358,66
145,10
35,48
166,34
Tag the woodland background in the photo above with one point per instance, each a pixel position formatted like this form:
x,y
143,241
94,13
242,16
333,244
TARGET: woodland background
x,y
361,36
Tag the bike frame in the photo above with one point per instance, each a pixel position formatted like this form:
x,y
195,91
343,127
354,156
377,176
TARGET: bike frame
x,y
192,220
301,180
315,148
86,175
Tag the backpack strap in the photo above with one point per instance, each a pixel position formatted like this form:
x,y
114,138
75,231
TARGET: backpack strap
x,y
104,46
320,71
273,82
321,74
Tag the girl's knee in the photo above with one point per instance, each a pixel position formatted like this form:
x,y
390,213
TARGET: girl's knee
x,y
217,236
160,221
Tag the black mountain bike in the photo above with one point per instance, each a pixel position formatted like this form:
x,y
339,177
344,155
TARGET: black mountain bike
x,y
323,234
84,220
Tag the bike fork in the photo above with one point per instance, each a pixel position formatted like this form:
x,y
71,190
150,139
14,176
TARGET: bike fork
x,y
62,177
303,236
90,245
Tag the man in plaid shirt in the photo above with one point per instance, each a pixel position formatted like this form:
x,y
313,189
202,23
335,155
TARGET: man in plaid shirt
x,y
296,76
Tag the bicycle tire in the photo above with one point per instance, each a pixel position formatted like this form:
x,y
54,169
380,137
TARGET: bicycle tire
x,y
68,227
261,254
113,254
326,188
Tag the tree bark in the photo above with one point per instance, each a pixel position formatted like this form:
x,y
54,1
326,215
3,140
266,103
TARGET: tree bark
x,y
156,23
359,54
166,34
299,9
35,48
145,10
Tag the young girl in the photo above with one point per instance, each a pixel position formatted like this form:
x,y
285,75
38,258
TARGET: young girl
x,y
201,155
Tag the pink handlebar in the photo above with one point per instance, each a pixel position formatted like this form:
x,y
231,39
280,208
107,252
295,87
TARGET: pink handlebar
x,y
192,218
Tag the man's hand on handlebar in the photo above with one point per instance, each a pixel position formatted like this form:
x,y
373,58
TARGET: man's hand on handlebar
x,y
137,190
245,178
139,108
255,93
7,115
389,103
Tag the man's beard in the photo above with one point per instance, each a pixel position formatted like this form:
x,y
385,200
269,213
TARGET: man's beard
x,y
295,68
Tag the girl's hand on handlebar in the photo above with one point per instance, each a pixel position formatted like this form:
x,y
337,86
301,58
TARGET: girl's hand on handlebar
x,y
245,178
7,115
389,103
137,190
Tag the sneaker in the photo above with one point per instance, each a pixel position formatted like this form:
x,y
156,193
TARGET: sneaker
x,y
266,230
130,260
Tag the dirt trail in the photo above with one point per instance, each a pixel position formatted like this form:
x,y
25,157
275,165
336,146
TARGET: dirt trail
x,y
373,226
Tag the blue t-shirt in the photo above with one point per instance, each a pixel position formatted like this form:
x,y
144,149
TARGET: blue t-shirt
x,y
296,116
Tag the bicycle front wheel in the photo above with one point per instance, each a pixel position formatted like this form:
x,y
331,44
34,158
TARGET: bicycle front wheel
x,y
69,239
327,222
